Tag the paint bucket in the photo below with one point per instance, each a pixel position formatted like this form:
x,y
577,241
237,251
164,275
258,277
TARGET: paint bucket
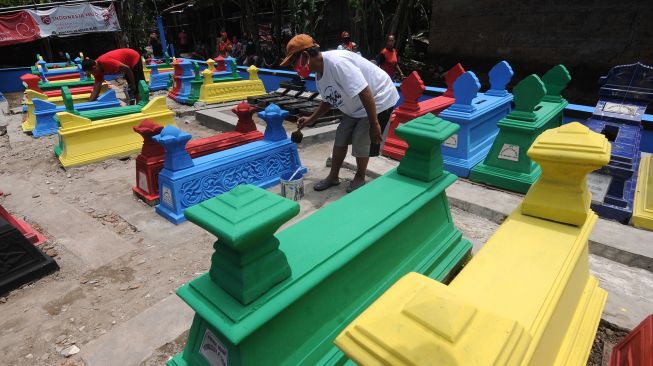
x,y
292,185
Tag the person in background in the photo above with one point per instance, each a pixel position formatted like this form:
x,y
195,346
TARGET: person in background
x,y
346,43
361,91
387,59
183,41
121,61
224,45
157,48
236,48
249,50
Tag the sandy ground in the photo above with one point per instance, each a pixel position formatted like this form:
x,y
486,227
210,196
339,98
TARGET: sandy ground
x,y
137,258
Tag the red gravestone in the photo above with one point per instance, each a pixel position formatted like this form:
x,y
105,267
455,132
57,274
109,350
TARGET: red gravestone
x,y
32,82
637,348
26,229
150,161
219,64
177,73
412,89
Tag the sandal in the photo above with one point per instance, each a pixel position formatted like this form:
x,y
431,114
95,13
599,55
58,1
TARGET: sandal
x,y
324,184
352,188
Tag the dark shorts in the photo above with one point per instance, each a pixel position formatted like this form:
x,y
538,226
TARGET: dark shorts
x,y
356,132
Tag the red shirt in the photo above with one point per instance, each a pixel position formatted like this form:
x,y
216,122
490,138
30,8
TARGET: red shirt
x,y
110,62
390,64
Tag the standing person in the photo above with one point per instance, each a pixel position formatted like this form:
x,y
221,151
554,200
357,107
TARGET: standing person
x,y
224,45
157,48
183,41
360,90
346,43
236,47
121,61
387,59
249,49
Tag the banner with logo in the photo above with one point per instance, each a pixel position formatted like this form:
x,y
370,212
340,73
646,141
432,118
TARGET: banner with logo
x,y
18,28
69,19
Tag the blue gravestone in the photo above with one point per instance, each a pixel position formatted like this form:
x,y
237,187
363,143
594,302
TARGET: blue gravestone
x,y
185,182
182,78
158,80
477,114
44,112
623,97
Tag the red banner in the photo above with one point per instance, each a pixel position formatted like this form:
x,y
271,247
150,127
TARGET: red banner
x,y
18,28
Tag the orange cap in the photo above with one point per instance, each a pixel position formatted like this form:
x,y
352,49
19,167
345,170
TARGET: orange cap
x,y
297,44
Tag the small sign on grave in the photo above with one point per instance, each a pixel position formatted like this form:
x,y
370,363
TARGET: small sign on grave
x,y
509,152
213,350
598,184
620,108
451,142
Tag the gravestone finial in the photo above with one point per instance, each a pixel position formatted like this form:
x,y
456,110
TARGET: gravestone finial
x,y
67,99
148,129
208,77
174,142
143,92
68,58
233,67
424,135
273,117
154,67
528,93
196,71
219,63
566,155
245,123
253,72
500,75
411,89
247,261
465,89
450,77
211,64
555,80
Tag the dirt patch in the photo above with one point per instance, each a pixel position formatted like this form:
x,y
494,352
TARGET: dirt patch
x,y
55,307
165,352
607,337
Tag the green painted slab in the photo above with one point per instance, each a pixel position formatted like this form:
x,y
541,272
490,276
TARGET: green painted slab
x,y
251,311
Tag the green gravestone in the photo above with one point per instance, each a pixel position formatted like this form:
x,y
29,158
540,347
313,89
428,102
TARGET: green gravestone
x,y
555,81
281,299
507,165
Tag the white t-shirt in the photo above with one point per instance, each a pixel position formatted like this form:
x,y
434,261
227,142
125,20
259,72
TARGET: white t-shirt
x,y
345,75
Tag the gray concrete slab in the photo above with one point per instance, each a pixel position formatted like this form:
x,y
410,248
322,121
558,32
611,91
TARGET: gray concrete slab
x,y
84,237
222,119
620,243
132,342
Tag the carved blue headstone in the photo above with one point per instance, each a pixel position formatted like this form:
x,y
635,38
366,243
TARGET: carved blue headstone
x,y
465,89
274,116
500,75
477,114
624,96
154,67
42,65
185,182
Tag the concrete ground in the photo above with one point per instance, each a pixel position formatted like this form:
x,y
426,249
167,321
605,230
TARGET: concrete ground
x,y
121,262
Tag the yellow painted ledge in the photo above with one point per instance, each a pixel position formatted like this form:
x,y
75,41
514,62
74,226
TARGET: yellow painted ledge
x,y
83,141
643,205
212,92
30,120
527,297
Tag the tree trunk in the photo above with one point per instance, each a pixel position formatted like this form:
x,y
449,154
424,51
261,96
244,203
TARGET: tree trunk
x,y
404,26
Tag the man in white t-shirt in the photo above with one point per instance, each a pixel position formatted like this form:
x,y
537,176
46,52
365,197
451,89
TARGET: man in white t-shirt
x,y
364,93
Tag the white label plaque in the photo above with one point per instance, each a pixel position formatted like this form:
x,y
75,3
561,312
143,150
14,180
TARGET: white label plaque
x,y
452,141
142,182
619,108
598,185
213,350
166,195
509,152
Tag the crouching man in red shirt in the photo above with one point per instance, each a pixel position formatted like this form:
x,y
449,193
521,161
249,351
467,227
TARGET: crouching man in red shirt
x,y
121,61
